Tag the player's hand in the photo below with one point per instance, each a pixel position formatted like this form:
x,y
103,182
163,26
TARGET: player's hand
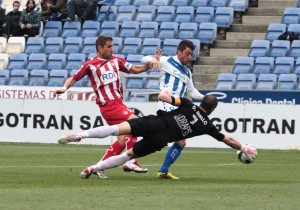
x,y
155,64
59,91
248,152
157,54
166,91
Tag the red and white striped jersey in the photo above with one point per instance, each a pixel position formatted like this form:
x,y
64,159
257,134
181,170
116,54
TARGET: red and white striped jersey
x,y
105,77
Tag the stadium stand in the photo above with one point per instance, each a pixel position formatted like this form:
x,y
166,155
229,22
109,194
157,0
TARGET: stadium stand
x,y
56,61
266,82
184,14
57,77
291,15
204,15
274,30
280,48
54,45
118,44
139,3
125,13
3,43
199,3
283,65
74,61
238,5
36,61
168,30
3,60
287,82
207,33
80,83
259,48
263,65
150,45
148,30
18,77
129,29
107,13
134,58
4,76
89,45
245,82
52,29
295,49
218,3
224,17
161,2
90,28
169,46
226,81
71,29
38,78
165,14
72,45
131,46
34,45
243,65
145,13
15,45
109,28
187,30
122,2
17,61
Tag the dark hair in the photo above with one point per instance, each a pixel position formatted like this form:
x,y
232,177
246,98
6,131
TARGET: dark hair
x,y
101,40
32,2
16,2
186,44
209,103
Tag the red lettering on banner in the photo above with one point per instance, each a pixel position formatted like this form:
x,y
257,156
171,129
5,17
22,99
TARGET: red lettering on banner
x,y
78,96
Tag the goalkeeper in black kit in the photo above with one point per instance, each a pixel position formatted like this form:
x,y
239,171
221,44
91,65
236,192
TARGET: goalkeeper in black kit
x,y
187,121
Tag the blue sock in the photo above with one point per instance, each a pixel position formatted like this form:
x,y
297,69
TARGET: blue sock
x,y
171,157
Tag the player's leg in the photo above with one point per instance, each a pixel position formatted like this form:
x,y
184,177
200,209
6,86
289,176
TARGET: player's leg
x,y
171,156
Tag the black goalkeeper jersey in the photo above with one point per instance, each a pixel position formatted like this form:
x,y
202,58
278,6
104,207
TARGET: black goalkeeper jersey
x,y
188,121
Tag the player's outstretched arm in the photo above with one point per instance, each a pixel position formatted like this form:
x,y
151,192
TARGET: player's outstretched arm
x,y
68,83
233,143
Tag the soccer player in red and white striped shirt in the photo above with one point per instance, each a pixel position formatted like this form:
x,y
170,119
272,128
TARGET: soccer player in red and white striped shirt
x,y
104,73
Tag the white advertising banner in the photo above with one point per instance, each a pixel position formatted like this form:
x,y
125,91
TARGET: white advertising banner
x,y
33,120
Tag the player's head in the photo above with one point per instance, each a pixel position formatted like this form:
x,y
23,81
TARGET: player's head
x,y
104,47
209,103
185,51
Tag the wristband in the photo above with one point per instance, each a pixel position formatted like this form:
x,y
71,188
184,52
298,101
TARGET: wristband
x,y
173,100
243,146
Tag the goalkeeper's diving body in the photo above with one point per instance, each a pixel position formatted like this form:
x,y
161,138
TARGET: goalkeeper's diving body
x,y
187,121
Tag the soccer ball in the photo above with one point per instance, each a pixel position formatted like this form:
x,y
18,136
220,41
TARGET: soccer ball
x,y
243,158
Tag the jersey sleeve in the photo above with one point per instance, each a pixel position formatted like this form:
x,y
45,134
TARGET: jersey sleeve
x,y
185,102
84,69
216,134
124,65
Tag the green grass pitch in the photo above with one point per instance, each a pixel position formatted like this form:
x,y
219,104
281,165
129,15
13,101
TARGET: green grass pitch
x,y
46,176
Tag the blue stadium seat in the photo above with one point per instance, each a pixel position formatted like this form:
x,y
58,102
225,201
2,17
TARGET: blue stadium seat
x,y
34,45
204,15
72,45
238,5
139,3
18,77
54,45
107,13
187,31
122,2
207,32
152,83
90,28
218,3
243,65
17,61
125,13
266,82
280,48
168,30
226,81
109,28
145,13
295,49
57,77
259,48
245,82
224,17
36,61
297,67
287,82
298,86
148,30
291,15
159,3
118,44
131,46
184,14
52,29
38,77
56,61
82,82
134,59
150,45
74,61
283,65
4,76
196,52
178,3
89,45
119,55
91,55
169,46
71,29
165,14
135,83
129,29
263,65
199,3
274,31
294,28
138,97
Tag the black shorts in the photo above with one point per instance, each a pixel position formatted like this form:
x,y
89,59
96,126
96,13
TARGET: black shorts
x,y
154,131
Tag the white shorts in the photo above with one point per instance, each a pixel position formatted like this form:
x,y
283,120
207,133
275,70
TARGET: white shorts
x,y
166,106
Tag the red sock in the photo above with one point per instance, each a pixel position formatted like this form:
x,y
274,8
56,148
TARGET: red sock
x,y
114,149
130,142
